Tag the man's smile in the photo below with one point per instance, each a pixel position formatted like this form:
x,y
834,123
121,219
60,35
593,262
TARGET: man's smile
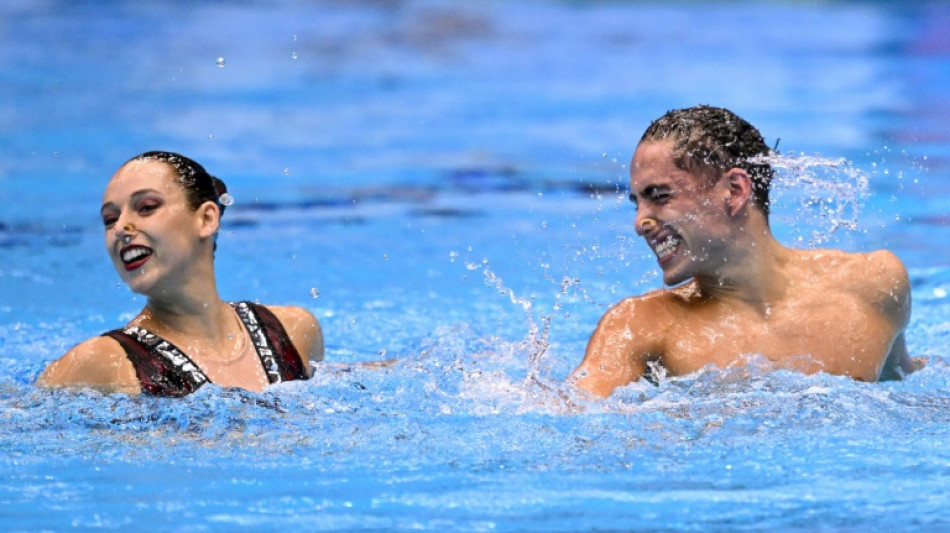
x,y
664,248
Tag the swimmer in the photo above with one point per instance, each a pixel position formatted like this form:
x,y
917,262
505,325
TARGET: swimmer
x,y
161,212
733,291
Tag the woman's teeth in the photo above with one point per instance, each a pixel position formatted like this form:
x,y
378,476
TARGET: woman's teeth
x,y
134,254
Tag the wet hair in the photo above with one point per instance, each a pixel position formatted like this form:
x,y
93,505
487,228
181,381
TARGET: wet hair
x,y
199,186
714,138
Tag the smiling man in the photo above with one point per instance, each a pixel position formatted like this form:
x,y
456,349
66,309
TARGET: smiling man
x,y
700,182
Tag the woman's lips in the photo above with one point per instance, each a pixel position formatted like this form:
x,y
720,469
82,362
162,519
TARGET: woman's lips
x,y
134,256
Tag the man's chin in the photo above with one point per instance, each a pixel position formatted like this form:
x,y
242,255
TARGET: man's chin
x,y
672,278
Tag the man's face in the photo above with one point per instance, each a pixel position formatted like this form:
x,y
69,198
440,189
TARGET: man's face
x,y
682,216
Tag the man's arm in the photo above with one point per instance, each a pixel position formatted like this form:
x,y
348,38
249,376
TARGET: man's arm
x,y
899,363
618,351
894,299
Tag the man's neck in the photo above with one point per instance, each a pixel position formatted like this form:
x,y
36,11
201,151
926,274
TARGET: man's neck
x,y
754,274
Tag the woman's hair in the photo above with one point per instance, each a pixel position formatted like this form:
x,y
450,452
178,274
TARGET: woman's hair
x,y
198,185
706,137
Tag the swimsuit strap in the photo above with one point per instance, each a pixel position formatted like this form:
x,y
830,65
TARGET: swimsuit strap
x,y
162,369
279,357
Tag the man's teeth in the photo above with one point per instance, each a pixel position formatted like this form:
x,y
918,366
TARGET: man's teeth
x,y
666,247
135,253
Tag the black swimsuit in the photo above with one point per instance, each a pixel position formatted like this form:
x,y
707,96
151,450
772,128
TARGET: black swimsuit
x,y
164,370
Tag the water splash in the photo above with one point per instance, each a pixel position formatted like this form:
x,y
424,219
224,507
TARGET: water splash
x,y
536,343
811,191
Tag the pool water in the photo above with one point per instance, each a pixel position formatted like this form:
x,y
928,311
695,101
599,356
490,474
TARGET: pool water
x,y
445,184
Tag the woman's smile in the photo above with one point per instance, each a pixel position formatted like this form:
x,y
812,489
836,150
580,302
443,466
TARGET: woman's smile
x,y
134,256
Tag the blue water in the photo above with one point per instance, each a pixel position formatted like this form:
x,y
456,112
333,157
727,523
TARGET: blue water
x,y
444,183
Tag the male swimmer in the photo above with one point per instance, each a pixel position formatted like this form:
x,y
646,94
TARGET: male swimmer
x,y
701,189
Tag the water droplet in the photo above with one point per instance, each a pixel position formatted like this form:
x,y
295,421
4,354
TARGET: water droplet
x,y
314,293
221,62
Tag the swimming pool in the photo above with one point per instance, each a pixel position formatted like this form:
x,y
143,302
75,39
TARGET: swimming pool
x,y
446,185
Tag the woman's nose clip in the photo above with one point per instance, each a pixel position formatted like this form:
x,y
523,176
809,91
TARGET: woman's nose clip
x,y
128,229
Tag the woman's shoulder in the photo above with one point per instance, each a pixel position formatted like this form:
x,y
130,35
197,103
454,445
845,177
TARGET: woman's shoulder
x,y
303,329
99,362
294,318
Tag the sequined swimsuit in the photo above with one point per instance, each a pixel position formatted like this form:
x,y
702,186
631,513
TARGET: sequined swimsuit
x,y
164,370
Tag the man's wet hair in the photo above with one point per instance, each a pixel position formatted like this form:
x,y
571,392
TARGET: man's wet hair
x,y
199,186
714,138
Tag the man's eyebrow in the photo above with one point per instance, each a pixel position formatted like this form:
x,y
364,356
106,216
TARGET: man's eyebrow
x,y
649,191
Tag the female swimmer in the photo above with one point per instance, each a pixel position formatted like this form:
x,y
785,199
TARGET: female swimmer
x,y
161,213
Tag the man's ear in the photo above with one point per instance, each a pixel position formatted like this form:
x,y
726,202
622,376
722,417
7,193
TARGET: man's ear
x,y
209,219
739,187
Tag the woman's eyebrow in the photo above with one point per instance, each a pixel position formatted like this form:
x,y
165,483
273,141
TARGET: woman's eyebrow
x,y
135,195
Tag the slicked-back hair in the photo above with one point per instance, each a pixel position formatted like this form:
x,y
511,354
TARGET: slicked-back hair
x,y
199,186
707,138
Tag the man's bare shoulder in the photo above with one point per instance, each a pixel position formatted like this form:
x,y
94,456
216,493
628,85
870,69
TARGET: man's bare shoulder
x,y
654,308
99,362
878,277
853,269
886,284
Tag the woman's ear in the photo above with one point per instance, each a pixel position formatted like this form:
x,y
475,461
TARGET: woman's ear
x,y
739,186
209,219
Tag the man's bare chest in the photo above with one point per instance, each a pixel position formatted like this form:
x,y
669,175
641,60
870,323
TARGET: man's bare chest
x,y
837,334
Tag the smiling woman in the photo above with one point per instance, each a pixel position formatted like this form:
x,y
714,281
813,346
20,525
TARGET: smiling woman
x,y
161,212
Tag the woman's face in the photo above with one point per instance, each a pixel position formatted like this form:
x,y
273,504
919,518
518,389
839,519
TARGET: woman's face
x,y
150,232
